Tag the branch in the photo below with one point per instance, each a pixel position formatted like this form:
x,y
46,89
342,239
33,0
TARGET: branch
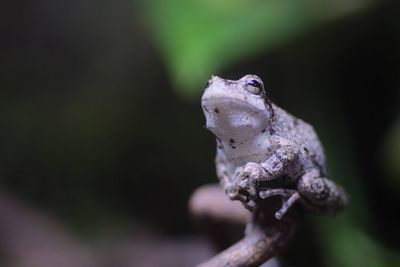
x,y
265,235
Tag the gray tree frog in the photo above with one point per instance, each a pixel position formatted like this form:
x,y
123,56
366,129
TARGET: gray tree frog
x,y
263,151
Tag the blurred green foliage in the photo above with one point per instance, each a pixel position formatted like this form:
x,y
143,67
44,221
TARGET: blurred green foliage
x,y
199,37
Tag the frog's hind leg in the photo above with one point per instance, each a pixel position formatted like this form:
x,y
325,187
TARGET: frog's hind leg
x,y
288,195
321,194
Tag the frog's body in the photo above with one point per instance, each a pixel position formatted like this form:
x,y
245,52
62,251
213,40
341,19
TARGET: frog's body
x,y
262,147
263,151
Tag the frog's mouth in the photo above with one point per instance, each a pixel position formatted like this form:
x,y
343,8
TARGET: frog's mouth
x,y
233,118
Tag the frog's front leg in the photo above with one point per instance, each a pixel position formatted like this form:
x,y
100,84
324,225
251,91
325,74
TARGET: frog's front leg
x,y
224,178
246,177
222,171
279,162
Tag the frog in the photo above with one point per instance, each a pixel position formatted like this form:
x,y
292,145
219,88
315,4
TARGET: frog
x,y
264,151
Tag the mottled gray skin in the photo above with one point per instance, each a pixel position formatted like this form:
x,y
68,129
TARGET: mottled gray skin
x,y
263,151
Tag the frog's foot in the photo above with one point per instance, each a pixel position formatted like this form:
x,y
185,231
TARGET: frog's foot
x,y
235,193
244,181
289,197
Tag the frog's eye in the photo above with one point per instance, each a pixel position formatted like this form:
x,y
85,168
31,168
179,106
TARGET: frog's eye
x,y
254,87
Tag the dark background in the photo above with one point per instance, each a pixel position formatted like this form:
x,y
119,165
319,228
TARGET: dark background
x,y
97,139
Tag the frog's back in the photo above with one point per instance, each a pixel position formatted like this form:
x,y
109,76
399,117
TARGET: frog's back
x,y
303,134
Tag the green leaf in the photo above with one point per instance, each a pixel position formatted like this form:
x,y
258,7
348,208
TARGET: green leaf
x,y
199,37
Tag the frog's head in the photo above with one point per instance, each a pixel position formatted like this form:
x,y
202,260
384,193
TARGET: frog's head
x,y
236,110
